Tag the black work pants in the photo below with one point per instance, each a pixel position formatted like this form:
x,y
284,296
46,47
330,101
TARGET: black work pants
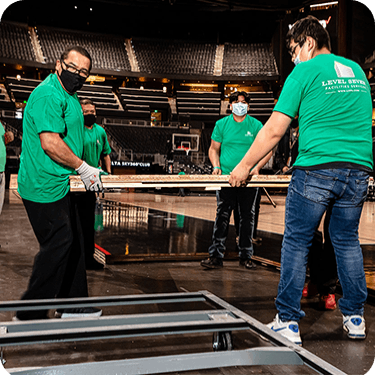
x,y
228,199
86,212
59,267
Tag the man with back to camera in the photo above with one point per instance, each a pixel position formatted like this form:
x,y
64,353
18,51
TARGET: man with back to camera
x,y
52,149
231,138
332,97
95,146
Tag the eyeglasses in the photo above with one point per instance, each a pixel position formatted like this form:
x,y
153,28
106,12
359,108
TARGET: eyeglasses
x,y
293,50
82,72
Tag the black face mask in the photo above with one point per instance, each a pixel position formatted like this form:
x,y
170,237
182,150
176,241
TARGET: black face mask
x,y
89,120
72,82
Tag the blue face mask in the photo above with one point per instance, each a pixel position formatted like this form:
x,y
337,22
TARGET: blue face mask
x,y
297,60
239,109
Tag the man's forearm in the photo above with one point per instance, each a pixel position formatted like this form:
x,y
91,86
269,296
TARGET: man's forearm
x,y
214,157
58,150
107,163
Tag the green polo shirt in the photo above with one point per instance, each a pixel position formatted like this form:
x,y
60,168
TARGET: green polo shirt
x,y
95,143
236,138
332,97
49,109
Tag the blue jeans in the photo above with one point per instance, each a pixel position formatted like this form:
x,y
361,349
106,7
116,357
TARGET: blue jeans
x,y
309,195
240,198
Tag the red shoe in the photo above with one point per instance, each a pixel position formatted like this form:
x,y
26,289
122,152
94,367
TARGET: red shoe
x,y
309,290
327,302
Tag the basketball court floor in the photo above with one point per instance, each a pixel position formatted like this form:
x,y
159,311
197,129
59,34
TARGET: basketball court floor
x,y
152,242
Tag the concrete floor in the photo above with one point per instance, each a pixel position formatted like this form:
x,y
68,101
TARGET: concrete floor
x,y
251,291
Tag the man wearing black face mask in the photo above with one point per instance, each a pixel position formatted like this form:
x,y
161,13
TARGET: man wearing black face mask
x,y
95,146
52,149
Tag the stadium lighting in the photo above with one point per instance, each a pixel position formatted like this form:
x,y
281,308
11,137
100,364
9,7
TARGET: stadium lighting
x,y
18,77
324,4
142,88
75,7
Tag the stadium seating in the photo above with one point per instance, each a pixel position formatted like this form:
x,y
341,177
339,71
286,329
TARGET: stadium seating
x,y
107,52
201,106
139,103
15,42
249,60
104,99
173,57
21,88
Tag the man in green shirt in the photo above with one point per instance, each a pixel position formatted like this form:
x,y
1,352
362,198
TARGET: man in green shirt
x,y
52,148
95,147
332,97
230,140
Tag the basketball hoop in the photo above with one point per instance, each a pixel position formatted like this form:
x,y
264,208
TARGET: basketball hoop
x,y
187,150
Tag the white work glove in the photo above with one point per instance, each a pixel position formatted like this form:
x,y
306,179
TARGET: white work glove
x,y
90,177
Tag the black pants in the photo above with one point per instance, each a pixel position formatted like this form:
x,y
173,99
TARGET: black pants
x,y
86,212
228,199
236,216
59,267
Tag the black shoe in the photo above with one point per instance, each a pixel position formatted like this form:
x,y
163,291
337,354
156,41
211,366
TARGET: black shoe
x,y
212,263
247,263
79,312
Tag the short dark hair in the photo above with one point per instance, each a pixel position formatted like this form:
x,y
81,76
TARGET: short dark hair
x,y
87,102
234,96
78,49
308,26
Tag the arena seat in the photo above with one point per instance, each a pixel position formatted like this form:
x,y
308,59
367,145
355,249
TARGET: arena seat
x,y
108,52
174,57
244,59
151,99
203,106
104,99
20,89
15,42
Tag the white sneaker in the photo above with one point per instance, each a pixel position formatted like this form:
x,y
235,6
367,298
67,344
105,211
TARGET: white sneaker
x,y
355,326
289,329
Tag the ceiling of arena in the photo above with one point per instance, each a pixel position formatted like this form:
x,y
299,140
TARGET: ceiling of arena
x,y
217,5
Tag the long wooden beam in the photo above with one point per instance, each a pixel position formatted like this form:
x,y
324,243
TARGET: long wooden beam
x,y
209,182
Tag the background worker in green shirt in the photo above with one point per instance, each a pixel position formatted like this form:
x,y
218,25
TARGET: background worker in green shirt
x,y
52,149
332,97
95,147
230,140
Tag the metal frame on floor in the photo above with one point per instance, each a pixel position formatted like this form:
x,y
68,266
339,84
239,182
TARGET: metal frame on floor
x,y
221,320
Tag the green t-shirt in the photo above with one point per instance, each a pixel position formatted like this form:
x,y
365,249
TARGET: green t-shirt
x,y
3,151
236,138
49,109
332,97
95,143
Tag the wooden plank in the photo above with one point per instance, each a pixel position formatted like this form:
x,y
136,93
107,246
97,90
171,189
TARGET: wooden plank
x,y
209,182
191,181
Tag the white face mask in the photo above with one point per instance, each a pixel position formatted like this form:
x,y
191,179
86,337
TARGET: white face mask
x,y
297,60
239,109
